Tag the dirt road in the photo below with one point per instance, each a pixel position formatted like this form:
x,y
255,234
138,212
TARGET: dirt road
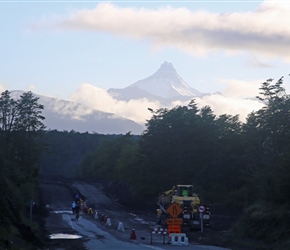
x,y
58,197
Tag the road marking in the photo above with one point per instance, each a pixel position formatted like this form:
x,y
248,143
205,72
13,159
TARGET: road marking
x,y
69,219
152,247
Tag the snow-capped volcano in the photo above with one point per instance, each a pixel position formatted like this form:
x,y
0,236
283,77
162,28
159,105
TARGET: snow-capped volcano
x,y
165,83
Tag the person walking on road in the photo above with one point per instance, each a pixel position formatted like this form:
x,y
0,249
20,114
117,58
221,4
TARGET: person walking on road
x,y
73,207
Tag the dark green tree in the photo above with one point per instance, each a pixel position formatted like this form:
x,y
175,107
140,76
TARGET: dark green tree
x,y
20,125
112,159
66,152
267,134
193,146
267,161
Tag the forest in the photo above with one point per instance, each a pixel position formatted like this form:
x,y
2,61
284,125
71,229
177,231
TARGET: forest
x,y
229,162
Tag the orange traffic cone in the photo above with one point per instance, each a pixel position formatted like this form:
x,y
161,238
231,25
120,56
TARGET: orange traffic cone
x,y
133,235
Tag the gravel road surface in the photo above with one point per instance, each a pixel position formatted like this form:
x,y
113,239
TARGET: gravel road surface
x,y
94,233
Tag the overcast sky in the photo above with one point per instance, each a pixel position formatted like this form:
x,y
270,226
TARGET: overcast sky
x,y
76,50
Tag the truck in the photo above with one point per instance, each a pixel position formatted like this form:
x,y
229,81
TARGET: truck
x,y
192,207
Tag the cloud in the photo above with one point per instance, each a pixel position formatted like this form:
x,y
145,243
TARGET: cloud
x,y
74,110
2,88
99,99
229,105
265,31
137,110
240,89
31,87
254,61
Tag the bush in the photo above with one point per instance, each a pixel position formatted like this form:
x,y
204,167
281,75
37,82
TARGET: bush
x,y
265,222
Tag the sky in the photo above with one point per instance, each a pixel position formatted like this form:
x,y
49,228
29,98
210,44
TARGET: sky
x,y
77,50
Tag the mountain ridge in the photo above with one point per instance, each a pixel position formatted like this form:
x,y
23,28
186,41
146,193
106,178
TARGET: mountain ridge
x,y
66,115
165,85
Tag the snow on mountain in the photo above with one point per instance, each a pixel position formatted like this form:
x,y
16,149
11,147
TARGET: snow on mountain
x,y
165,83
65,115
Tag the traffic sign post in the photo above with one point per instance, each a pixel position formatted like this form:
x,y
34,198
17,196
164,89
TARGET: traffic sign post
x,y
201,209
174,223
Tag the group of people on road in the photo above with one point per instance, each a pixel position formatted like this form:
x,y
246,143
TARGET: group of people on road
x,y
78,204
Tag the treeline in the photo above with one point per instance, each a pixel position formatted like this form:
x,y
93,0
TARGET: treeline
x,y
227,161
65,152
20,152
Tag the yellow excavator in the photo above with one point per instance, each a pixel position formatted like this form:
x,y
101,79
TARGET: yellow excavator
x,y
192,207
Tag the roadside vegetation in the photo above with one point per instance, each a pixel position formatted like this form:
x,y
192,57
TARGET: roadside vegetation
x,y
20,127
230,163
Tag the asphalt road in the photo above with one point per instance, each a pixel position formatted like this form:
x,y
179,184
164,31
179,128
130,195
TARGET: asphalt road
x,y
91,232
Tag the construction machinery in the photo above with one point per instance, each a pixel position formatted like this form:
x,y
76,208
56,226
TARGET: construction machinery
x,y
193,212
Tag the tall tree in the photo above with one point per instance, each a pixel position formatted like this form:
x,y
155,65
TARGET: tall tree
x,y
20,124
267,161
186,145
268,130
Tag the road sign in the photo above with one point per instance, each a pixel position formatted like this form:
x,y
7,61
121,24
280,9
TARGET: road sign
x,y
174,221
201,209
174,210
